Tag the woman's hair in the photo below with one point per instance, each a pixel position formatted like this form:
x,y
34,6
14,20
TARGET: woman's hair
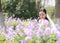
x,y
44,10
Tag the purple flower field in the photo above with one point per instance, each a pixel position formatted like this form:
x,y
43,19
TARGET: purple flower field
x,y
28,31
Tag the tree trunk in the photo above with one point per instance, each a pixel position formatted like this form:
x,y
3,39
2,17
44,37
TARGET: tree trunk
x,y
57,8
0,6
57,15
38,2
1,16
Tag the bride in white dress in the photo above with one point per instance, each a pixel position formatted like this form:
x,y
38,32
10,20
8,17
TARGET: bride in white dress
x,y
45,21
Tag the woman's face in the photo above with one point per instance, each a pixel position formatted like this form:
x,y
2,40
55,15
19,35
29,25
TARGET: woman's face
x,y
42,15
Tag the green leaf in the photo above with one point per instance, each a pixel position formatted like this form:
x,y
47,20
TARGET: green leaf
x,y
2,37
15,41
30,41
53,36
37,41
14,23
50,41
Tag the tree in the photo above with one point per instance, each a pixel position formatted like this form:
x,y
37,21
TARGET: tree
x,y
22,8
38,3
0,6
1,16
57,7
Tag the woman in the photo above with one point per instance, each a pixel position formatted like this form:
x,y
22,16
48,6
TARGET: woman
x,y
43,20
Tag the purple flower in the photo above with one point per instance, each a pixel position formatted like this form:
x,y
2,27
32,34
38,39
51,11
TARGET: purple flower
x,y
28,38
28,32
58,35
47,31
11,33
38,32
23,41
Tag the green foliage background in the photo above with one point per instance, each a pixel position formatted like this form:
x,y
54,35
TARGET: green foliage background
x,y
24,8
21,8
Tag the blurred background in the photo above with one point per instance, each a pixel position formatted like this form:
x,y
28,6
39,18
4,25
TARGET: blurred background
x,y
28,9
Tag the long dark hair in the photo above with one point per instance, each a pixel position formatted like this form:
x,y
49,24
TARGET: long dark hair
x,y
44,10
